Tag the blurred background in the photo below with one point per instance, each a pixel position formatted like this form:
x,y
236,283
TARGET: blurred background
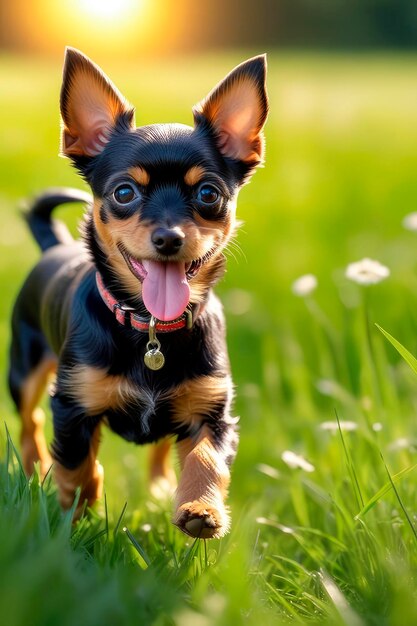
x,y
130,27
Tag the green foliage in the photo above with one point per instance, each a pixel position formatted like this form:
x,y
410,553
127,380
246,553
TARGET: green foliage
x,y
331,544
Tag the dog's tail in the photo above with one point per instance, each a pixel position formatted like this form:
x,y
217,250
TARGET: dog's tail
x,y
49,232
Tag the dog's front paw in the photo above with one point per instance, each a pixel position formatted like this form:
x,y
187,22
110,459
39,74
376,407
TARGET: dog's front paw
x,y
202,521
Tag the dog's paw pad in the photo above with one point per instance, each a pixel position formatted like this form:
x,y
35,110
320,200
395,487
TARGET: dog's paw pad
x,y
201,526
201,521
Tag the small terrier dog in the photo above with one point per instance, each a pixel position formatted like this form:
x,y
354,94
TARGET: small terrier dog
x,y
126,317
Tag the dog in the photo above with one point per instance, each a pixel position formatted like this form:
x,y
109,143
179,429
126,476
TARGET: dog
x,y
126,317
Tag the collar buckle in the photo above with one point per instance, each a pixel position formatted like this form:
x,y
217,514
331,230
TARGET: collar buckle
x,y
122,313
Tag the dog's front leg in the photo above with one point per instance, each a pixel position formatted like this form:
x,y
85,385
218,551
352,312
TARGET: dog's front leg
x,y
200,509
74,449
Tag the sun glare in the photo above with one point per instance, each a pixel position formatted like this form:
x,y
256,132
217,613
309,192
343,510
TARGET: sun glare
x,y
104,27
109,9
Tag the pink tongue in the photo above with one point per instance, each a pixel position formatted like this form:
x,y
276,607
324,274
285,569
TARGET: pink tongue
x,y
165,289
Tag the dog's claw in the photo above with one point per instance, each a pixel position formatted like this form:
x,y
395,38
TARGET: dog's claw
x,y
202,522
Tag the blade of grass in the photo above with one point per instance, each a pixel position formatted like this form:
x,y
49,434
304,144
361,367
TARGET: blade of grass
x,y
343,608
407,356
137,547
384,489
400,502
278,597
119,521
350,466
11,451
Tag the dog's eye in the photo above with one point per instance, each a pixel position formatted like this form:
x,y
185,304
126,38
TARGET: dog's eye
x,y
208,194
124,194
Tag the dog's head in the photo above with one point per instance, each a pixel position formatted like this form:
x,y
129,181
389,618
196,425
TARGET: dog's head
x,y
165,194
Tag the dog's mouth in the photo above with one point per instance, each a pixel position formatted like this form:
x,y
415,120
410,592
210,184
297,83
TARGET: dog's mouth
x,y
165,288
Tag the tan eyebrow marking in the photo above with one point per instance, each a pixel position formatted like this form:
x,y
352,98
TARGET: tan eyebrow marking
x,y
194,175
140,175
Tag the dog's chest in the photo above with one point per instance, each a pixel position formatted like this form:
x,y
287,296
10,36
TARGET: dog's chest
x,y
133,409
142,415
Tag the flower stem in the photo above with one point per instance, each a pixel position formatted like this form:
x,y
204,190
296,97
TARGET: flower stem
x,y
376,383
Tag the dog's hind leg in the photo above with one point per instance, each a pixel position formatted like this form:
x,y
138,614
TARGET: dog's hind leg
x,y
161,474
27,383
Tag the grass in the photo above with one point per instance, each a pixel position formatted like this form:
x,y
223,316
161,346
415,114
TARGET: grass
x,y
314,375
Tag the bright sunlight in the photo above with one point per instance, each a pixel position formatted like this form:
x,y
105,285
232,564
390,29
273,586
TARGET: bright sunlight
x,y
114,10
100,27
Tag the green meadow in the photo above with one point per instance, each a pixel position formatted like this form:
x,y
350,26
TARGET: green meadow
x,y
328,534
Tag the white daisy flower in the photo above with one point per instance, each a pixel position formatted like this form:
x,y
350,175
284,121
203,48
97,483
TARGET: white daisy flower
x,y
272,472
410,221
304,286
268,522
402,443
367,272
334,426
295,461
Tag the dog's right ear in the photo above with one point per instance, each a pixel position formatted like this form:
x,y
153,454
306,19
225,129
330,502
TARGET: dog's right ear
x,y
236,110
90,107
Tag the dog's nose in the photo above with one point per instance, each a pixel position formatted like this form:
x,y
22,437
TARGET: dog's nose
x,y
167,241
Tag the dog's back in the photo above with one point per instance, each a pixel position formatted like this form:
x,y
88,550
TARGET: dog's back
x,y
36,337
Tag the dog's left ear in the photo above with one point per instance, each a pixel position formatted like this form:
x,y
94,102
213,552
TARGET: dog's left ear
x,y
236,110
91,106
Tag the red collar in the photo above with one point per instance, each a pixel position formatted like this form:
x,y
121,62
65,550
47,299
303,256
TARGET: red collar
x,y
127,316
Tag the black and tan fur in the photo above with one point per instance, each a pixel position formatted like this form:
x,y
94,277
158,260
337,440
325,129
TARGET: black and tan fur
x,y
60,323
